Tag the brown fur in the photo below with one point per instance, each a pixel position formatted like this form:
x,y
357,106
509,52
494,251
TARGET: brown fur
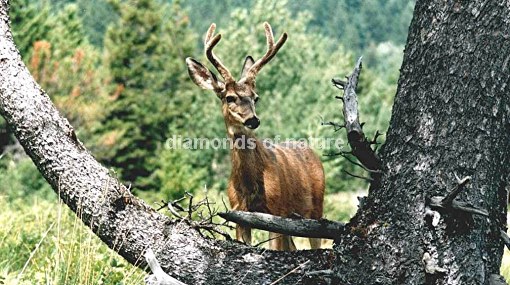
x,y
292,183
281,180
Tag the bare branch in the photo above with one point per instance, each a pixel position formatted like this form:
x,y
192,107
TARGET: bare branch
x,y
448,201
358,176
357,164
336,126
360,145
267,240
374,140
290,272
295,227
456,190
505,238
465,207
340,84
190,205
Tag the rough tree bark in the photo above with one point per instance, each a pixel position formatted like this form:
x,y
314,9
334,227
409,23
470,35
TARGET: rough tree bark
x,y
450,119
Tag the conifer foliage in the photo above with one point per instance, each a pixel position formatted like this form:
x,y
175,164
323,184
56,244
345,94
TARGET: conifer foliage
x,y
144,53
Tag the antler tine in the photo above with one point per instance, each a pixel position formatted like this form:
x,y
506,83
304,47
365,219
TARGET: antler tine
x,y
209,33
209,43
269,35
272,50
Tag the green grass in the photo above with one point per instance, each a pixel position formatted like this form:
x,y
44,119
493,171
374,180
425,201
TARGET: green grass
x,y
43,242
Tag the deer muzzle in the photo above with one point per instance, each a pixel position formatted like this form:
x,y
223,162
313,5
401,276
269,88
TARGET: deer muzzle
x,y
252,123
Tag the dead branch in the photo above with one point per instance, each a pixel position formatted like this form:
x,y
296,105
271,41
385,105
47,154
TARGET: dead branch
x,y
158,276
358,176
204,223
290,272
360,145
344,155
449,202
295,227
505,238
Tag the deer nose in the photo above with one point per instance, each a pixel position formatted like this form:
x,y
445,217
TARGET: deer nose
x,y
252,123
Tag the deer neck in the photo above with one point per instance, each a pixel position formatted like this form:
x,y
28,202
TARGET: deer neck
x,y
247,153
249,158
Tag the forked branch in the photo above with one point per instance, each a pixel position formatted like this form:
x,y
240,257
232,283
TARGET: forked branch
x,y
449,202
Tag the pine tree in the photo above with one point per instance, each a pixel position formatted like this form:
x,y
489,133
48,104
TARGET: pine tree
x,y
66,66
55,49
145,51
30,23
97,15
66,31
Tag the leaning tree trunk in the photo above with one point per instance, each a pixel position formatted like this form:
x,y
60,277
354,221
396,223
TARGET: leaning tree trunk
x,y
450,119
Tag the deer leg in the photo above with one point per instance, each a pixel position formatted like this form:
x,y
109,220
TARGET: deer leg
x,y
281,242
275,241
289,243
315,243
243,234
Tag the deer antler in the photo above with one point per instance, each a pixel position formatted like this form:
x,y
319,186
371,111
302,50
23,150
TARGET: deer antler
x,y
209,43
272,49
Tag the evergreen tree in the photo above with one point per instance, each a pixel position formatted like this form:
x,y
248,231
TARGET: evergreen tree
x,y
66,66
30,22
66,31
145,51
97,15
54,47
357,24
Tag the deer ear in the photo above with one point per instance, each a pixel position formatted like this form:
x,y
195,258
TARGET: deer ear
x,y
248,62
203,77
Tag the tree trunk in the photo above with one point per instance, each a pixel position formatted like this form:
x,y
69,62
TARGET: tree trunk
x,y
450,119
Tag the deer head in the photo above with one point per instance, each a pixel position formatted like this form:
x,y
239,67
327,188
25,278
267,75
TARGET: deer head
x,y
238,97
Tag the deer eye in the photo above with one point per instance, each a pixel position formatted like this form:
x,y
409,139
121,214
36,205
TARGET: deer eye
x,y
230,99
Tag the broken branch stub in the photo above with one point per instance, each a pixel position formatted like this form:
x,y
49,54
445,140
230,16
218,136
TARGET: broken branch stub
x,y
448,202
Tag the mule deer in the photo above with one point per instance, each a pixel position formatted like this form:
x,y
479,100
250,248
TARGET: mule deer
x,y
281,179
